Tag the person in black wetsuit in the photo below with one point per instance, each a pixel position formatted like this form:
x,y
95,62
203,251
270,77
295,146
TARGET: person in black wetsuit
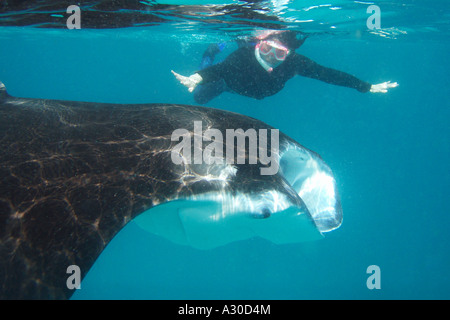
x,y
261,70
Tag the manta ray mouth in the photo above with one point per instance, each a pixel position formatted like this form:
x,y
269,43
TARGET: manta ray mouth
x,y
313,181
298,207
301,208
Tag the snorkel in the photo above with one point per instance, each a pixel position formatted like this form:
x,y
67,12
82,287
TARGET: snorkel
x,y
284,40
274,52
261,61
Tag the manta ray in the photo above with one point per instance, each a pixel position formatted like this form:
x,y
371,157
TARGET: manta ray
x,y
73,174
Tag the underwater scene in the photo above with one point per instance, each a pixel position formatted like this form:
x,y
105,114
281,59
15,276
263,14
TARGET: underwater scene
x,y
345,101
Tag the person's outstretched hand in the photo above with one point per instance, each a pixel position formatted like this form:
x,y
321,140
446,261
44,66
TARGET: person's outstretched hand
x,y
190,82
383,87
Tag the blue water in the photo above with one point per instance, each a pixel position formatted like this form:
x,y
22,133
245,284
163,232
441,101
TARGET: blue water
x,y
389,153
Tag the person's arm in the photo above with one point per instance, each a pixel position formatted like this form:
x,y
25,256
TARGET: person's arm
x,y
212,73
383,87
209,74
308,68
189,82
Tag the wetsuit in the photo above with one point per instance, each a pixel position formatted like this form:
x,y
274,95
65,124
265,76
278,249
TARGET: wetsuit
x,y
241,73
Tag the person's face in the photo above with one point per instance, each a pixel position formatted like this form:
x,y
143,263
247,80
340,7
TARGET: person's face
x,y
273,52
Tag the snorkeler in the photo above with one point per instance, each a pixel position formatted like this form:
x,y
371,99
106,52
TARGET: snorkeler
x,y
262,69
